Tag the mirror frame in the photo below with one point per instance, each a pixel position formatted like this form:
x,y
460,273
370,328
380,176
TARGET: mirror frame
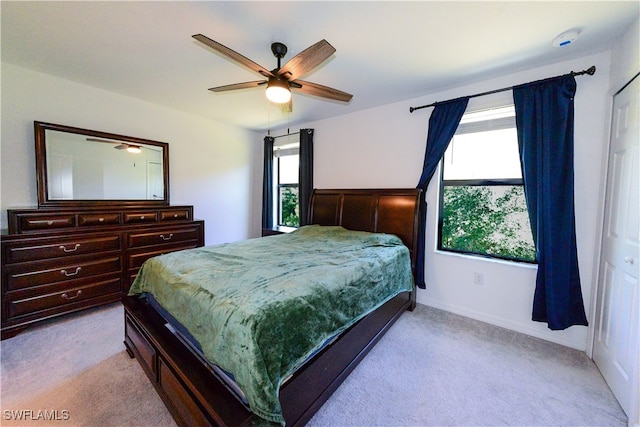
x,y
41,169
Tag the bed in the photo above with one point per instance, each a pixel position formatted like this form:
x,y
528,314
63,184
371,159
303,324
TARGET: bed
x,y
197,393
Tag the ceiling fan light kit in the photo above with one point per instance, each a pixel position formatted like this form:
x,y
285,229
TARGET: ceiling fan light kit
x,y
282,79
278,91
134,149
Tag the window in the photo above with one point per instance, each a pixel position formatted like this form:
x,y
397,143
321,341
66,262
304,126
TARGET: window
x,y
286,160
482,206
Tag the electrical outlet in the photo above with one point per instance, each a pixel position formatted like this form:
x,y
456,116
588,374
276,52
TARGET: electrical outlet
x,y
478,278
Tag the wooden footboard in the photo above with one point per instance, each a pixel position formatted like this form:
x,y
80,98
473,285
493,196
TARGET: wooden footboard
x,y
312,385
196,397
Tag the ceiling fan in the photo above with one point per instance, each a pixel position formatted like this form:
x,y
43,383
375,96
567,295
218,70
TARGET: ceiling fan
x,y
283,78
132,148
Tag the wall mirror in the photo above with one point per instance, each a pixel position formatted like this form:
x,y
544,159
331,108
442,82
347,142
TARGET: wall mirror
x,y
80,167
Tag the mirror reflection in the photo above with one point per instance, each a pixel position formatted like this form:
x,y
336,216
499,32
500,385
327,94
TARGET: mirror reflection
x,y
95,166
83,168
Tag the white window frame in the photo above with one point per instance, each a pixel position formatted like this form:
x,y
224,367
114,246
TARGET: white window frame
x,y
471,124
285,146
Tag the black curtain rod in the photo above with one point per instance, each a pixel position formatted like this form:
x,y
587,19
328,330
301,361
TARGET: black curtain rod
x,y
591,71
287,134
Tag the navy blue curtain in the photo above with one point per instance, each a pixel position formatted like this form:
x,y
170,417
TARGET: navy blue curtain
x,y
443,123
267,183
305,176
544,120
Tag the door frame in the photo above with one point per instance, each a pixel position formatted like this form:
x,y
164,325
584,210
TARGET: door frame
x,y
633,418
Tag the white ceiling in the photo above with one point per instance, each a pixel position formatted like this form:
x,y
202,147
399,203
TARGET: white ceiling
x,y
386,51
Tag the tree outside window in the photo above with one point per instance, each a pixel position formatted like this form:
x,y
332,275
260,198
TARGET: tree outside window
x,y
290,216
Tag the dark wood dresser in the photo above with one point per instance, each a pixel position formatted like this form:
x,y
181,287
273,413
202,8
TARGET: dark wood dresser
x,y
61,260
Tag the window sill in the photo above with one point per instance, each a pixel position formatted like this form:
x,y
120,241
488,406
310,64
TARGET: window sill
x,y
279,229
472,257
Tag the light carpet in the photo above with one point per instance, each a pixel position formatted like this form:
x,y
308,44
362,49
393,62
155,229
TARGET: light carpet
x,y
432,368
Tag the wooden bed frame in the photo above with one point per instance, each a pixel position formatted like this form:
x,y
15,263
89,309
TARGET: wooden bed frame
x,y
196,397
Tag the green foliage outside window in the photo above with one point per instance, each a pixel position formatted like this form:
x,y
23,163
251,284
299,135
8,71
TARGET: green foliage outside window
x,y
289,200
487,220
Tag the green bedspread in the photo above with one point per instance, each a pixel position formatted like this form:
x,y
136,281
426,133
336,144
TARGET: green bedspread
x,y
260,307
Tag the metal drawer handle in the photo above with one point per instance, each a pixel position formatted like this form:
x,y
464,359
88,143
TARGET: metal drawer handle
x,y
71,274
162,236
100,219
141,216
75,248
175,215
49,222
67,297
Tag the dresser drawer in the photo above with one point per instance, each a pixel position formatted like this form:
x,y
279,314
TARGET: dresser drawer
x,y
46,222
59,247
138,217
136,260
98,219
173,215
26,276
22,306
161,237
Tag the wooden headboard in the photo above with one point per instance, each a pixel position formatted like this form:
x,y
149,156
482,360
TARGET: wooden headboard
x,y
392,211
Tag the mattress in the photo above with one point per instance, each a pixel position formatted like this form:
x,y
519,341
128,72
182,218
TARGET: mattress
x,y
259,308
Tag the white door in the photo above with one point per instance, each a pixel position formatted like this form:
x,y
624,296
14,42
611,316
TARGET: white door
x,y
617,324
155,183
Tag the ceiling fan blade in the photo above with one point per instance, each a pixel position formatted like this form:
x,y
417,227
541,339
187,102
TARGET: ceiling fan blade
x,y
119,144
320,90
233,55
235,86
307,60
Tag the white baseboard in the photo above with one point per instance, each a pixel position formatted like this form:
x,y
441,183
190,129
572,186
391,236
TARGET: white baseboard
x,y
504,323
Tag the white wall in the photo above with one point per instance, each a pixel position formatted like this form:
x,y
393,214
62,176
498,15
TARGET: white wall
x,y
384,147
213,166
625,58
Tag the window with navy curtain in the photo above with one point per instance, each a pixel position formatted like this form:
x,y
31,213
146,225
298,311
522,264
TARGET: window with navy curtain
x,y
443,123
267,183
305,178
544,121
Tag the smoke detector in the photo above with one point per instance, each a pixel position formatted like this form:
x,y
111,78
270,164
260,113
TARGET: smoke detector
x,y
566,38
